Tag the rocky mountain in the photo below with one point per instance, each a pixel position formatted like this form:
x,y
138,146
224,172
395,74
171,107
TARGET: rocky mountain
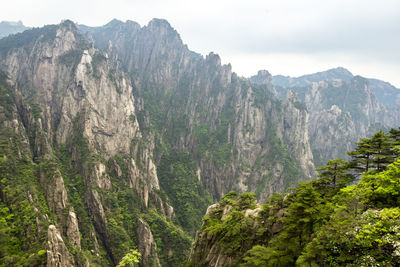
x,y
10,27
343,108
196,105
329,75
386,93
119,136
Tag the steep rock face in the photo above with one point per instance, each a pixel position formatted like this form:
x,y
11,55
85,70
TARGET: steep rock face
x,y
295,131
70,97
332,133
132,133
73,229
199,106
386,93
147,247
342,108
342,112
57,252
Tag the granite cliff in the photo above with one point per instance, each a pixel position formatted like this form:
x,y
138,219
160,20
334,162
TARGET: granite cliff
x,y
127,136
342,108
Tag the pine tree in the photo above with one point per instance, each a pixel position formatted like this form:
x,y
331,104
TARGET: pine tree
x,y
382,150
394,135
333,176
361,156
376,152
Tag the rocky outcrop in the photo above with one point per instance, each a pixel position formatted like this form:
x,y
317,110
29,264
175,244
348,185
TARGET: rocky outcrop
x,y
147,247
70,95
73,229
57,253
195,93
295,132
342,108
245,226
341,112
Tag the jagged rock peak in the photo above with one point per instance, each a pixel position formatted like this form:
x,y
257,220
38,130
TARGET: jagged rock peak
x,y
263,73
159,23
113,22
262,77
340,70
214,58
360,79
162,26
69,24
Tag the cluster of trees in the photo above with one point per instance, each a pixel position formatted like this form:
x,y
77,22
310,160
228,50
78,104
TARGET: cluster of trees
x,y
349,216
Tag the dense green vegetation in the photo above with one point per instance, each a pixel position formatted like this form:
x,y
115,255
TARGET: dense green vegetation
x,y
24,215
177,175
131,258
122,204
173,243
22,207
27,38
331,221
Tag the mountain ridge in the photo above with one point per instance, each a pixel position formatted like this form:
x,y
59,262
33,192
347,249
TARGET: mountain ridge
x,y
128,137
130,134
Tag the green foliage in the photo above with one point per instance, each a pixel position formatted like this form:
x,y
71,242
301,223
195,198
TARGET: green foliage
x,y
333,176
373,153
132,257
247,201
382,189
177,176
257,256
306,212
27,38
71,59
173,244
325,222
97,60
22,206
228,223
132,117
300,105
6,99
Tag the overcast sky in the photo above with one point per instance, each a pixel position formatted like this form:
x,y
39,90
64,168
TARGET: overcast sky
x,y
289,37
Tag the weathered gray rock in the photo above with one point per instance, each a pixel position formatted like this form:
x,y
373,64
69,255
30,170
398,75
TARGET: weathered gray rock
x,y
147,247
57,253
73,229
342,108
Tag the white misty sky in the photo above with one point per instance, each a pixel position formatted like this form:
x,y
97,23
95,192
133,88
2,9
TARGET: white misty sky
x,y
289,37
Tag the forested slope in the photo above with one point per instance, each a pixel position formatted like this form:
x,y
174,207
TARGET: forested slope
x,y
347,217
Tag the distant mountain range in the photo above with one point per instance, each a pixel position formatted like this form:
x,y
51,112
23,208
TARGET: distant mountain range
x,y
342,107
386,93
11,27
